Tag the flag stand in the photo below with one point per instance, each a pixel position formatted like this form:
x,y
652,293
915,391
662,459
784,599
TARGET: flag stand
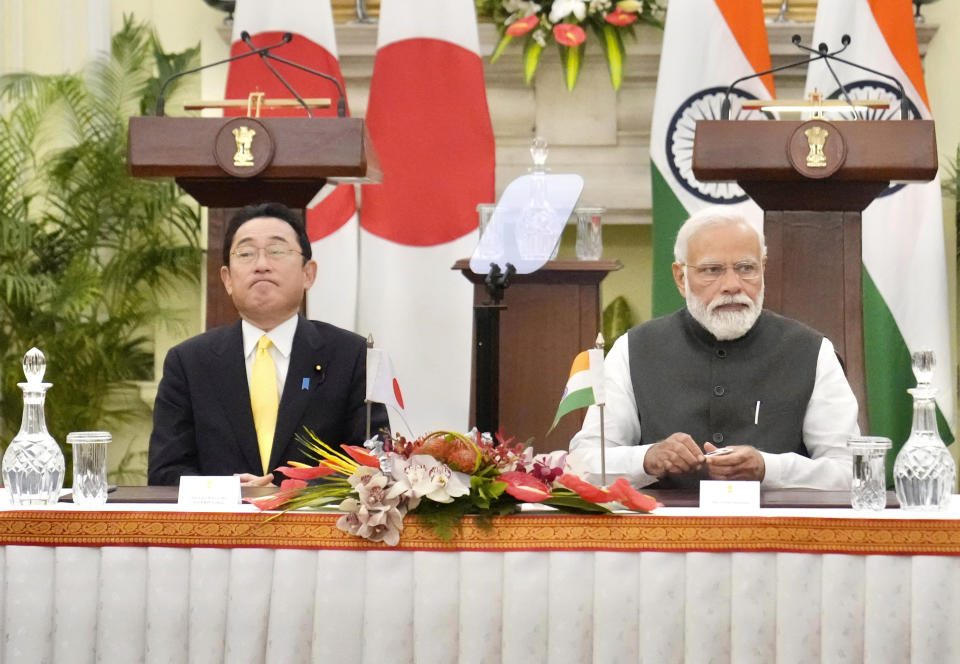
x,y
486,317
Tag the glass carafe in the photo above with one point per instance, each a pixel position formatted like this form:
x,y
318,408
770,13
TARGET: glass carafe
x,y
33,464
924,473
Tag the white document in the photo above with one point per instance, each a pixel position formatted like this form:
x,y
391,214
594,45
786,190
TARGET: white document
x,y
209,492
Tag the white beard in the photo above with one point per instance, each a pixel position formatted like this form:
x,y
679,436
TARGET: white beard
x,y
726,325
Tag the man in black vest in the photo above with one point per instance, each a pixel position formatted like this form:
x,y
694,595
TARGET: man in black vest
x,y
722,389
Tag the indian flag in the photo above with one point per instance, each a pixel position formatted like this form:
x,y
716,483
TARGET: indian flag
x,y
585,385
730,41
905,279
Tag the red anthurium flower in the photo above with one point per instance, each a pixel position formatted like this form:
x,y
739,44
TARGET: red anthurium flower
x,y
273,501
523,25
626,495
292,484
620,17
361,455
309,473
525,487
569,34
585,490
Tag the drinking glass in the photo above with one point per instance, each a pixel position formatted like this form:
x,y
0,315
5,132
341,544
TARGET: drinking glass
x,y
868,489
89,466
589,236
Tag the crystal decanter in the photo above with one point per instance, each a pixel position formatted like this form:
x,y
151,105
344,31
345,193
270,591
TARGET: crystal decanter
x,y
535,237
924,472
33,464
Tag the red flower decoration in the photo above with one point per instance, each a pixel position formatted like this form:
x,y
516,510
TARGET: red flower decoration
x,y
626,495
292,484
525,487
585,490
273,501
309,473
361,455
620,17
569,34
523,26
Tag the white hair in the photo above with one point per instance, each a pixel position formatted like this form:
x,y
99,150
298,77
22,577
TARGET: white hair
x,y
711,216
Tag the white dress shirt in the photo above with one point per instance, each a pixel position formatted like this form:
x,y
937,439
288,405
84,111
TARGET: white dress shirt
x,y
282,338
830,419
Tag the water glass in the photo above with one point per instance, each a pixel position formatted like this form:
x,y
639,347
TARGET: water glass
x,y
89,466
589,237
868,490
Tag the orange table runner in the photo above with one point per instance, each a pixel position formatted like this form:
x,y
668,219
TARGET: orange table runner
x,y
305,530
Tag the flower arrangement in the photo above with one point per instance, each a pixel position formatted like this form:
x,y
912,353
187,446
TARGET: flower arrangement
x,y
564,22
441,477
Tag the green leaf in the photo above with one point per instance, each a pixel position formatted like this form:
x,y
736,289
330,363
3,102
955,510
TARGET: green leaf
x,y
575,504
571,57
531,59
612,44
501,46
617,319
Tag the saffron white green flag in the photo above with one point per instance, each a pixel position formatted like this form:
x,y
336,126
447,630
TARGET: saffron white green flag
x,y
707,44
585,385
905,279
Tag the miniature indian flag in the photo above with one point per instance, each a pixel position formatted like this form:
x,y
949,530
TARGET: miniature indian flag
x,y
585,385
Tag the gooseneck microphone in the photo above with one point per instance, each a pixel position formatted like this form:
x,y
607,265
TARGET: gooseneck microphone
x,y
161,98
821,53
265,56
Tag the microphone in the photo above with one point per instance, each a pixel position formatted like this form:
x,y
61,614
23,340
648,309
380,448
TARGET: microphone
x,y
264,57
161,98
341,102
821,53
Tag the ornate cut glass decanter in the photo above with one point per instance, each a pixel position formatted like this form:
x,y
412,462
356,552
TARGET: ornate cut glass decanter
x,y
924,472
535,237
33,463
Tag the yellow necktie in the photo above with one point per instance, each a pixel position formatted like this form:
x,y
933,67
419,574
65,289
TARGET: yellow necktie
x,y
264,399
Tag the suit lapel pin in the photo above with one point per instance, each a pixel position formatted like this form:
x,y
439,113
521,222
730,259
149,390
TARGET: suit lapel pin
x,y
305,384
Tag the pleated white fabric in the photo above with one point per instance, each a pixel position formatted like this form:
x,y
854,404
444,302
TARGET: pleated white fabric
x,y
155,604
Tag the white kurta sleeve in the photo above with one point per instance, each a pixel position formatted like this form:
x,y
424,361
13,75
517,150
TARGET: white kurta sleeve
x,y
624,457
831,419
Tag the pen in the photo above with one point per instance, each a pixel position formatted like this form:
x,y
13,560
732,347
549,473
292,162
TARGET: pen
x,y
756,413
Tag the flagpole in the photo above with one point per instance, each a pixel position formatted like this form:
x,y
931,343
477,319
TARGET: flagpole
x,y
368,403
603,452
603,437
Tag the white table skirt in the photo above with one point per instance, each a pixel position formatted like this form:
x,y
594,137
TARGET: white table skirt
x,y
163,604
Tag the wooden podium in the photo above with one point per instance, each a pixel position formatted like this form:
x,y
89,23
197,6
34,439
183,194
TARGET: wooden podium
x,y
813,179
551,315
287,160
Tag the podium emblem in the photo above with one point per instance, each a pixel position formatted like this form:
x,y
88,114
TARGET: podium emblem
x,y
816,138
817,149
243,147
243,158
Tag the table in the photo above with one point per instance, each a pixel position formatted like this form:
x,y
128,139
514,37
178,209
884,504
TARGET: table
x,y
147,583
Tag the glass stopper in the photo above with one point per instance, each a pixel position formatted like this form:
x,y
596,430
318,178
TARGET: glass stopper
x,y
923,364
34,365
539,152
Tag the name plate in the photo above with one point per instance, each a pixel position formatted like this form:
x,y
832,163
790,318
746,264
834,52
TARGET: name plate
x,y
209,492
729,496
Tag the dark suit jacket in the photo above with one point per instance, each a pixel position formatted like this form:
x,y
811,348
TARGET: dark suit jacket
x,y
202,421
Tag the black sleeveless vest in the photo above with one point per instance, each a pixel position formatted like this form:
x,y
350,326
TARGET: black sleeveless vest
x,y
685,380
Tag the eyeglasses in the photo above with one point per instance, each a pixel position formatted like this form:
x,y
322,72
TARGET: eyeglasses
x,y
710,272
275,253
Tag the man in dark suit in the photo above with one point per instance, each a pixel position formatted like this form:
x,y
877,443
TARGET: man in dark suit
x,y
232,400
